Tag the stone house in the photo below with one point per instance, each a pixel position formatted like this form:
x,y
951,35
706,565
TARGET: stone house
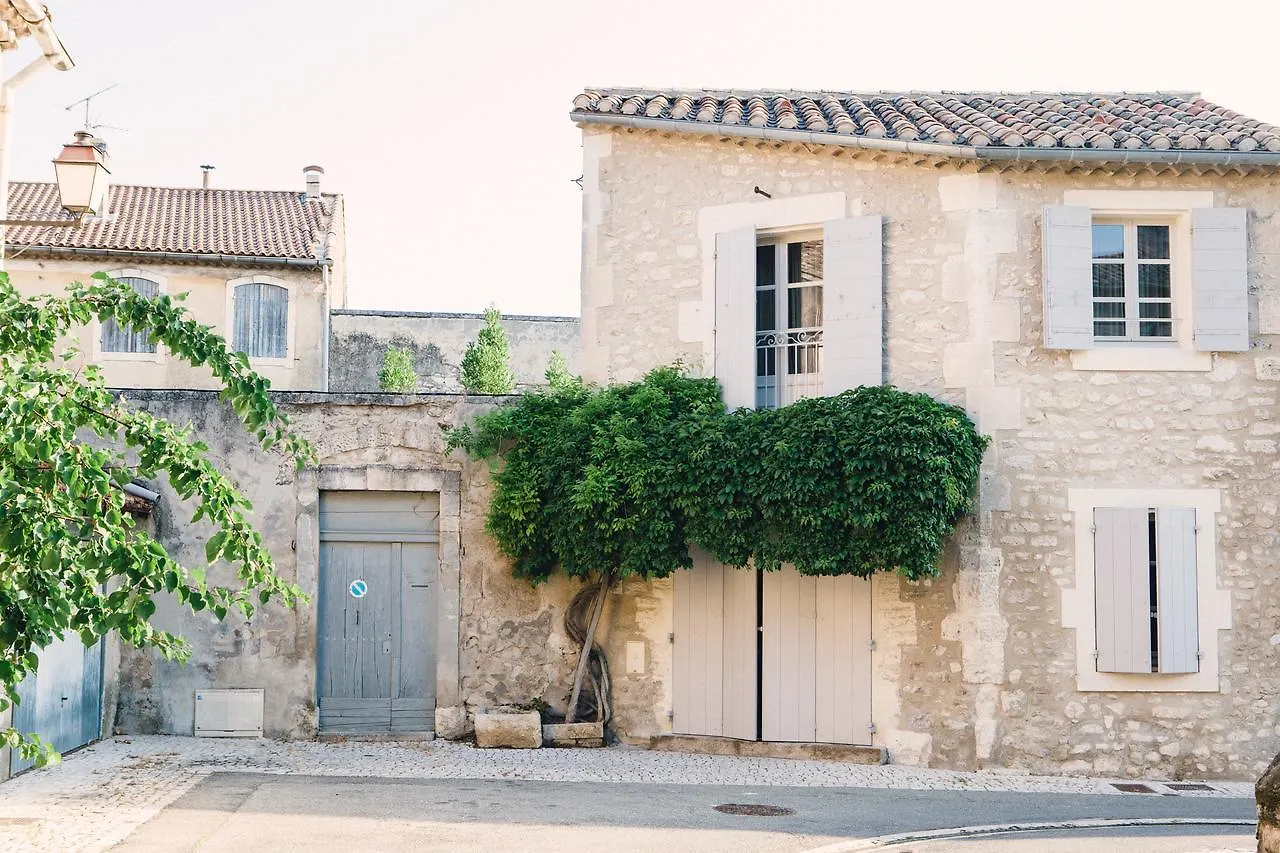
x,y
1093,277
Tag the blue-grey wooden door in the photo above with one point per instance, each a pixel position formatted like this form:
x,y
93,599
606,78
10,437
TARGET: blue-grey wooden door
x,y
62,702
378,570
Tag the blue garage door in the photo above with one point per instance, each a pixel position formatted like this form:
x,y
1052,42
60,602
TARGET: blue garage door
x,y
62,702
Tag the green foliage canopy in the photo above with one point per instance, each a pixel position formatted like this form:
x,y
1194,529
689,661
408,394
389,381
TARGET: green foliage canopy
x,y
71,558
397,374
484,364
620,480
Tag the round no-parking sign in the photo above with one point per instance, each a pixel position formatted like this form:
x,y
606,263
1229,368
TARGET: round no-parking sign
x,y
358,588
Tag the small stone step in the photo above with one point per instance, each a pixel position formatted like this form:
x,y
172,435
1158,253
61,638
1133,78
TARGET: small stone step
x,y
769,749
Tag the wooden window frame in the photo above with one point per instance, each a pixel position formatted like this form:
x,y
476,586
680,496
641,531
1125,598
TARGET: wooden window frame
x,y
806,384
1178,302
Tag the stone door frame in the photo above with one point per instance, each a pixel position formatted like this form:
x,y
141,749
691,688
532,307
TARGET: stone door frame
x,y
396,478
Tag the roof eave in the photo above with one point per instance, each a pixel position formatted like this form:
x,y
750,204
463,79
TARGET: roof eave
x,y
1118,157
34,250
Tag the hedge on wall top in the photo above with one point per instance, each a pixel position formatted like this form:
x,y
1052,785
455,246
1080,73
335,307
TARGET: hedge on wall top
x,y
619,480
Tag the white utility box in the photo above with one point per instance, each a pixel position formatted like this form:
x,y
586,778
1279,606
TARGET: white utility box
x,y
229,713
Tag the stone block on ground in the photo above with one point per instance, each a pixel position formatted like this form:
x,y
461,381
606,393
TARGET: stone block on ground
x,y
1268,796
452,723
573,734
507,727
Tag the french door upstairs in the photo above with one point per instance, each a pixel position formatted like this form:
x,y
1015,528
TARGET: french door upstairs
x,y
788,340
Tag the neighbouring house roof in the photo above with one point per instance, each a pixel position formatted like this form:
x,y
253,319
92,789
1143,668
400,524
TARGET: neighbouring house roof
x,y
210,225
1122,127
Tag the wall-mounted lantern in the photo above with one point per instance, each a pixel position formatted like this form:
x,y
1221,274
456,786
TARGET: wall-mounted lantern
x,y
81,172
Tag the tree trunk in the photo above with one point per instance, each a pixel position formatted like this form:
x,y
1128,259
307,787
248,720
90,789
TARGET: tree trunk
x,y
588,642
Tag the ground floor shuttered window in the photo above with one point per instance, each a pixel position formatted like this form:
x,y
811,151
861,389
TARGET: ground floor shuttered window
x,y
1146,581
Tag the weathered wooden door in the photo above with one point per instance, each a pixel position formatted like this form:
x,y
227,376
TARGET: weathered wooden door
x,y
62,702
378,570
773,656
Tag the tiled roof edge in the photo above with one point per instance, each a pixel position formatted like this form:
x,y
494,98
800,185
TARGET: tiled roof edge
x,y
1118,157
37,250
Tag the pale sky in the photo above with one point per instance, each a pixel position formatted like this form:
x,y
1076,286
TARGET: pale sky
x,y
445,124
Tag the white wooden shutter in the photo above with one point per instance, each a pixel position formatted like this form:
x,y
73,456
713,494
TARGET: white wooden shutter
x,y
1067,237
714,657
116,338
1176,583
852,303
1122,589
735,365
1220,278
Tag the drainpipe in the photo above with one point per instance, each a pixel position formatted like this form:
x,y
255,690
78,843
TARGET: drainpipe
x,y
324,330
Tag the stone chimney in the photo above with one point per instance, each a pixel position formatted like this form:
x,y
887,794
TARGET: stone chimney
x,y
312,175
206,176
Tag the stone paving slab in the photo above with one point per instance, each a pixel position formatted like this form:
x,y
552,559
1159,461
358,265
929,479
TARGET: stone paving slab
x,y
99,795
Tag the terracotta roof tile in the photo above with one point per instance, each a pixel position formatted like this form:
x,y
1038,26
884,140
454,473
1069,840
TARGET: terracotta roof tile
x,y
1123,122
256,223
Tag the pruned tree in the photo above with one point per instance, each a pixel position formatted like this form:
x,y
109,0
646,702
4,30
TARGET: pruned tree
x,y
71,559
484,364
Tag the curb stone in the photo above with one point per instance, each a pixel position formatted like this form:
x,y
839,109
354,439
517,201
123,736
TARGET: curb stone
x,y
881,841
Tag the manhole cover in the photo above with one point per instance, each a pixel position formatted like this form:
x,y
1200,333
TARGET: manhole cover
x,y
1133,787
756,809
1189,786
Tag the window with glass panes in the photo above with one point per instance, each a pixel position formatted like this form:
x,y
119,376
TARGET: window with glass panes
x,y
788,321
1132,281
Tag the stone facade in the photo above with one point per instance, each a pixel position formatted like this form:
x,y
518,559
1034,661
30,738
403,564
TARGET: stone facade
x,y
508,645
359,340
978,667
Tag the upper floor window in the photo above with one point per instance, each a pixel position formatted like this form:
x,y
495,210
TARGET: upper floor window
x,y
1132,281
124,339
788,352
260,320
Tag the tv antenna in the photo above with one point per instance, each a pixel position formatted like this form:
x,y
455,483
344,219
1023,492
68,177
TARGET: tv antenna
x,y
88,102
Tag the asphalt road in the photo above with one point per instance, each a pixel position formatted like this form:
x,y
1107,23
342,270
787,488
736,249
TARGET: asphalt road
x,y
238,812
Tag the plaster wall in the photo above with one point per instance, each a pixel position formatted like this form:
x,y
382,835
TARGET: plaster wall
x,y
360,339
208,302
977,667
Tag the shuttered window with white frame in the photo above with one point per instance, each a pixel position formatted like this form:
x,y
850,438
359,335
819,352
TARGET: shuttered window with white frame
x,y
1126,297
1145,590
124,339
798,316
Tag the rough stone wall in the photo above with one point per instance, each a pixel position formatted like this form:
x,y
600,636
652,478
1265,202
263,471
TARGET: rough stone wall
x,y
511,641
359,340
207,300
977,665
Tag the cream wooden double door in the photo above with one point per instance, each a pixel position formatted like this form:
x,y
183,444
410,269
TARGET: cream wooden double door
x,y
772,656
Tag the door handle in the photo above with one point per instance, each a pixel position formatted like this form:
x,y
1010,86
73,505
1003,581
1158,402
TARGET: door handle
x,y
386,647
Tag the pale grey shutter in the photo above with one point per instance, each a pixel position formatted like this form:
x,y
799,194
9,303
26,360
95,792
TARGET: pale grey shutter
x,y
1220,278
116,338
736,316
1176,582
852,303
1067,235
1122,589
260,323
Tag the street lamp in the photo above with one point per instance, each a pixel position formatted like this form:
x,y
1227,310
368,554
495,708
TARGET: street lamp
x,y
81,172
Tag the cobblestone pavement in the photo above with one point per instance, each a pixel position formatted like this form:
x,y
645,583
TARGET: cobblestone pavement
x,y
99,795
